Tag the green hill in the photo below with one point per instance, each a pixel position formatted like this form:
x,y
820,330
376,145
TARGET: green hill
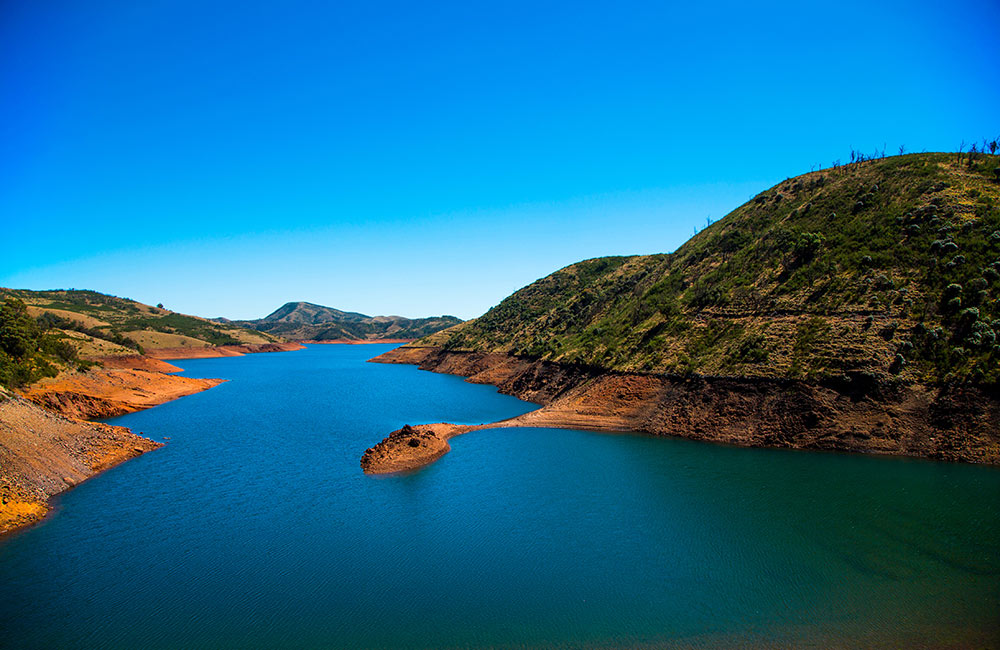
x,y
889,267
305,321
43,331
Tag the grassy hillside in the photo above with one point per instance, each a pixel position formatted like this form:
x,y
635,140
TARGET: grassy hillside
x,y
889,267
305,321
44,331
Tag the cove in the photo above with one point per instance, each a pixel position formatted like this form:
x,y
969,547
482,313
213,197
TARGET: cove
x,y
255,527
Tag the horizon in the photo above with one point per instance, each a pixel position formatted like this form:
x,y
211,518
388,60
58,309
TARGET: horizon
x,y
396,160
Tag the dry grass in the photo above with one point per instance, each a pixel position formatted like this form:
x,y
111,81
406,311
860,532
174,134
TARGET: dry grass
x,y
152,340
83,319
89,347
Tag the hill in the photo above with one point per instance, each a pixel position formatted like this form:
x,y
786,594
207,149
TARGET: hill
x,y
305,321
851,309
889,267
307,313
43,332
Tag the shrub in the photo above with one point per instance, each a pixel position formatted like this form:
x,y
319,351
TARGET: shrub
x,y
806,246
969,314
751,350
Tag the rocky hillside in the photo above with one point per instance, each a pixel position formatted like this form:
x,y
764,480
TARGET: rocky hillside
x,y
42,454
888,268
305,321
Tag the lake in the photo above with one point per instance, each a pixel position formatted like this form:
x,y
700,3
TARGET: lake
x,y
254,527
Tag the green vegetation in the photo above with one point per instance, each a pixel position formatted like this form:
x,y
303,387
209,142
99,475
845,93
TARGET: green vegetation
x,y
173,323
49,321
29,350
122,322
885,266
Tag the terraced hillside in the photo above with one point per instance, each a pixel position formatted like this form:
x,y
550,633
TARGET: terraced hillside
x,y
889,268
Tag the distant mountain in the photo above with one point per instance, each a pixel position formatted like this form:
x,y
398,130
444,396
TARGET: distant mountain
x,y
307,313
306,321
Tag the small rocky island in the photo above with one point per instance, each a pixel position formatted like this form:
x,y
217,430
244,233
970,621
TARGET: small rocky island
x,y
411,447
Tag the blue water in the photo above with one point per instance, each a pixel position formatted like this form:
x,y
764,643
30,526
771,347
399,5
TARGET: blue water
x,y
255,527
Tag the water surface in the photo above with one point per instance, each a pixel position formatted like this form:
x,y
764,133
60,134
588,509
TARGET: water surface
x,y
255,527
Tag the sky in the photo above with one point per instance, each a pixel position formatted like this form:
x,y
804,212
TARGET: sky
x,y
418,159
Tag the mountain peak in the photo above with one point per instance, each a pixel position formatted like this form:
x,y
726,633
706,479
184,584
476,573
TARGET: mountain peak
x,y
306,321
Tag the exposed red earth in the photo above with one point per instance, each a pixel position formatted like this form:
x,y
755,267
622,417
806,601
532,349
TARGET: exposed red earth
x,y
954,424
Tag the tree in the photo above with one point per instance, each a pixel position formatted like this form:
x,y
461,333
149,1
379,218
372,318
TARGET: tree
x,y
806,247
18,330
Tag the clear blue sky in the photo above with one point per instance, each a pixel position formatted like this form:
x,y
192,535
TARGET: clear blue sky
x,y
424,158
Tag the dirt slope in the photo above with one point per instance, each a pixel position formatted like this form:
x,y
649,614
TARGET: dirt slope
x,y
42,454
947,423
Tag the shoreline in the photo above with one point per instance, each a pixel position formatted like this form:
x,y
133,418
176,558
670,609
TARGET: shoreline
x,y
49,446
855,416
174,354
106,393
355,341
43,454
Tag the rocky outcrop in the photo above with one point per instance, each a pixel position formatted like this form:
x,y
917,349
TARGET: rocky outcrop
x,y
854,413
43,453
410,448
